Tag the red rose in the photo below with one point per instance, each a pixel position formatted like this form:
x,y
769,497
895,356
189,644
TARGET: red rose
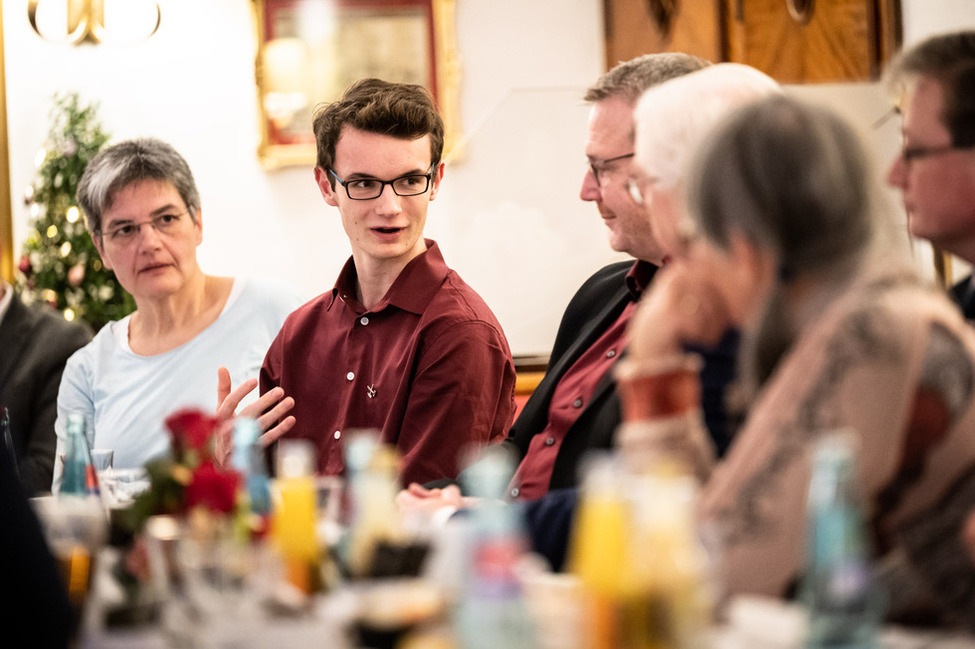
x,y
191,430
213,489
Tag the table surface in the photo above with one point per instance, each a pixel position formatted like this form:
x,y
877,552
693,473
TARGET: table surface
x,y
318,633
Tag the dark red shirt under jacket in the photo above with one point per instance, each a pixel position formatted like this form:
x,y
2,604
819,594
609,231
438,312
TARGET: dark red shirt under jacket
x,y
572,395
429,366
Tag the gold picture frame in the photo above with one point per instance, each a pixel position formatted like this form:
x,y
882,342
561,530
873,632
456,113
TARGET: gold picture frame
x,y
309,51
6,212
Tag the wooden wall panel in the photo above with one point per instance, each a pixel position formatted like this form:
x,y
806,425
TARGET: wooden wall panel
x,y
794,41
838,43
632,28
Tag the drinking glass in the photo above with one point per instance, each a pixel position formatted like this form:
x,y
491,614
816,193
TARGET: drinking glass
x,y
212,588
126,484
75,530
102,459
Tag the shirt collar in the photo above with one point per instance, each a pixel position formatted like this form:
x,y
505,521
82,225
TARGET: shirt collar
x,y
639,277
412,290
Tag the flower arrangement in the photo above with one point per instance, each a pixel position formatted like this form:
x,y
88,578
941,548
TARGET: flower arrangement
x,y
191,483
204,503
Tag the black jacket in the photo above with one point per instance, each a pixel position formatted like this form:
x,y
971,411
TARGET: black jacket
x,y
961,295
35,342
593,309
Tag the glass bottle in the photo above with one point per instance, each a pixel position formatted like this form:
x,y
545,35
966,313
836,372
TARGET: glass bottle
x,y
377,520
635,549
671,565
599,552
79,477
249,460
492,611
293,518
838,590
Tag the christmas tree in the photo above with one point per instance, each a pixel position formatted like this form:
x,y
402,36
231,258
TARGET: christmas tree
x,y
60,264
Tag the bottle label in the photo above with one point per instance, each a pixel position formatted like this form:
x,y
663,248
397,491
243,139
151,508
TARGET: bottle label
x,y
91,481
848,580
493,568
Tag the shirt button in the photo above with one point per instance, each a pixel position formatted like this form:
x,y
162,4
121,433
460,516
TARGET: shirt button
x,y
363,321
611,353
350,376
515,492
337,434
550,441
577,403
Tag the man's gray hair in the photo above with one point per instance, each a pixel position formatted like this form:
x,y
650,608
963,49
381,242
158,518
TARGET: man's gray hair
x,y
629,79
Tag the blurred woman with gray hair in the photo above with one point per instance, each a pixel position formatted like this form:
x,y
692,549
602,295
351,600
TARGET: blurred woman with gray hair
x,y
780,236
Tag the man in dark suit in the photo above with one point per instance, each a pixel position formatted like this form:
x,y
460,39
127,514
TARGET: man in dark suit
x,y
576,408
35,342
933,85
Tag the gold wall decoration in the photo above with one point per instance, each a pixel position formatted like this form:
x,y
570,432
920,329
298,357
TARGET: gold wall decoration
x,y
310,51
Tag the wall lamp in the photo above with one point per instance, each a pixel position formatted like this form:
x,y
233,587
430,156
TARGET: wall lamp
x,y
76,22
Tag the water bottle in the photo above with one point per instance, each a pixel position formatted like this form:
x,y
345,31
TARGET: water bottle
x,y
492,612
249,460
79,477
838,590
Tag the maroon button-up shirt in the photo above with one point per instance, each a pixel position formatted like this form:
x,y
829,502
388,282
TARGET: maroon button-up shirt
x,y
571,396
428,366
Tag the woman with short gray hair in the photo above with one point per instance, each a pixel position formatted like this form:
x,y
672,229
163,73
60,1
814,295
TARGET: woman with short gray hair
x,y
142,209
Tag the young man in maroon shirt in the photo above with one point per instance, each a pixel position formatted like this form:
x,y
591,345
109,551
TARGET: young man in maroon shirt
x,y
400,344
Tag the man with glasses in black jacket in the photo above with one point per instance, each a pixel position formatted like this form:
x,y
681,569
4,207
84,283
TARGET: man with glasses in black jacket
x,y
576,407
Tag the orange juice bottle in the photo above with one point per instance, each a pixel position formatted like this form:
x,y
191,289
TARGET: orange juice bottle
x,y
600,555
293,518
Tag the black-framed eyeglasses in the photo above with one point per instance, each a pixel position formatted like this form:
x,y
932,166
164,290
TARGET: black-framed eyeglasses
x,y
364,189
912,153
601,166
166,223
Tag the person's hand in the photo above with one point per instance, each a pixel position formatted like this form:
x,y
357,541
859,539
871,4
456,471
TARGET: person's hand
x,y
681,307
270,410
418,500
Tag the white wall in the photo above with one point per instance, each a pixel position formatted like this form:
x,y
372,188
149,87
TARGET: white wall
x,y
508,217
192,84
